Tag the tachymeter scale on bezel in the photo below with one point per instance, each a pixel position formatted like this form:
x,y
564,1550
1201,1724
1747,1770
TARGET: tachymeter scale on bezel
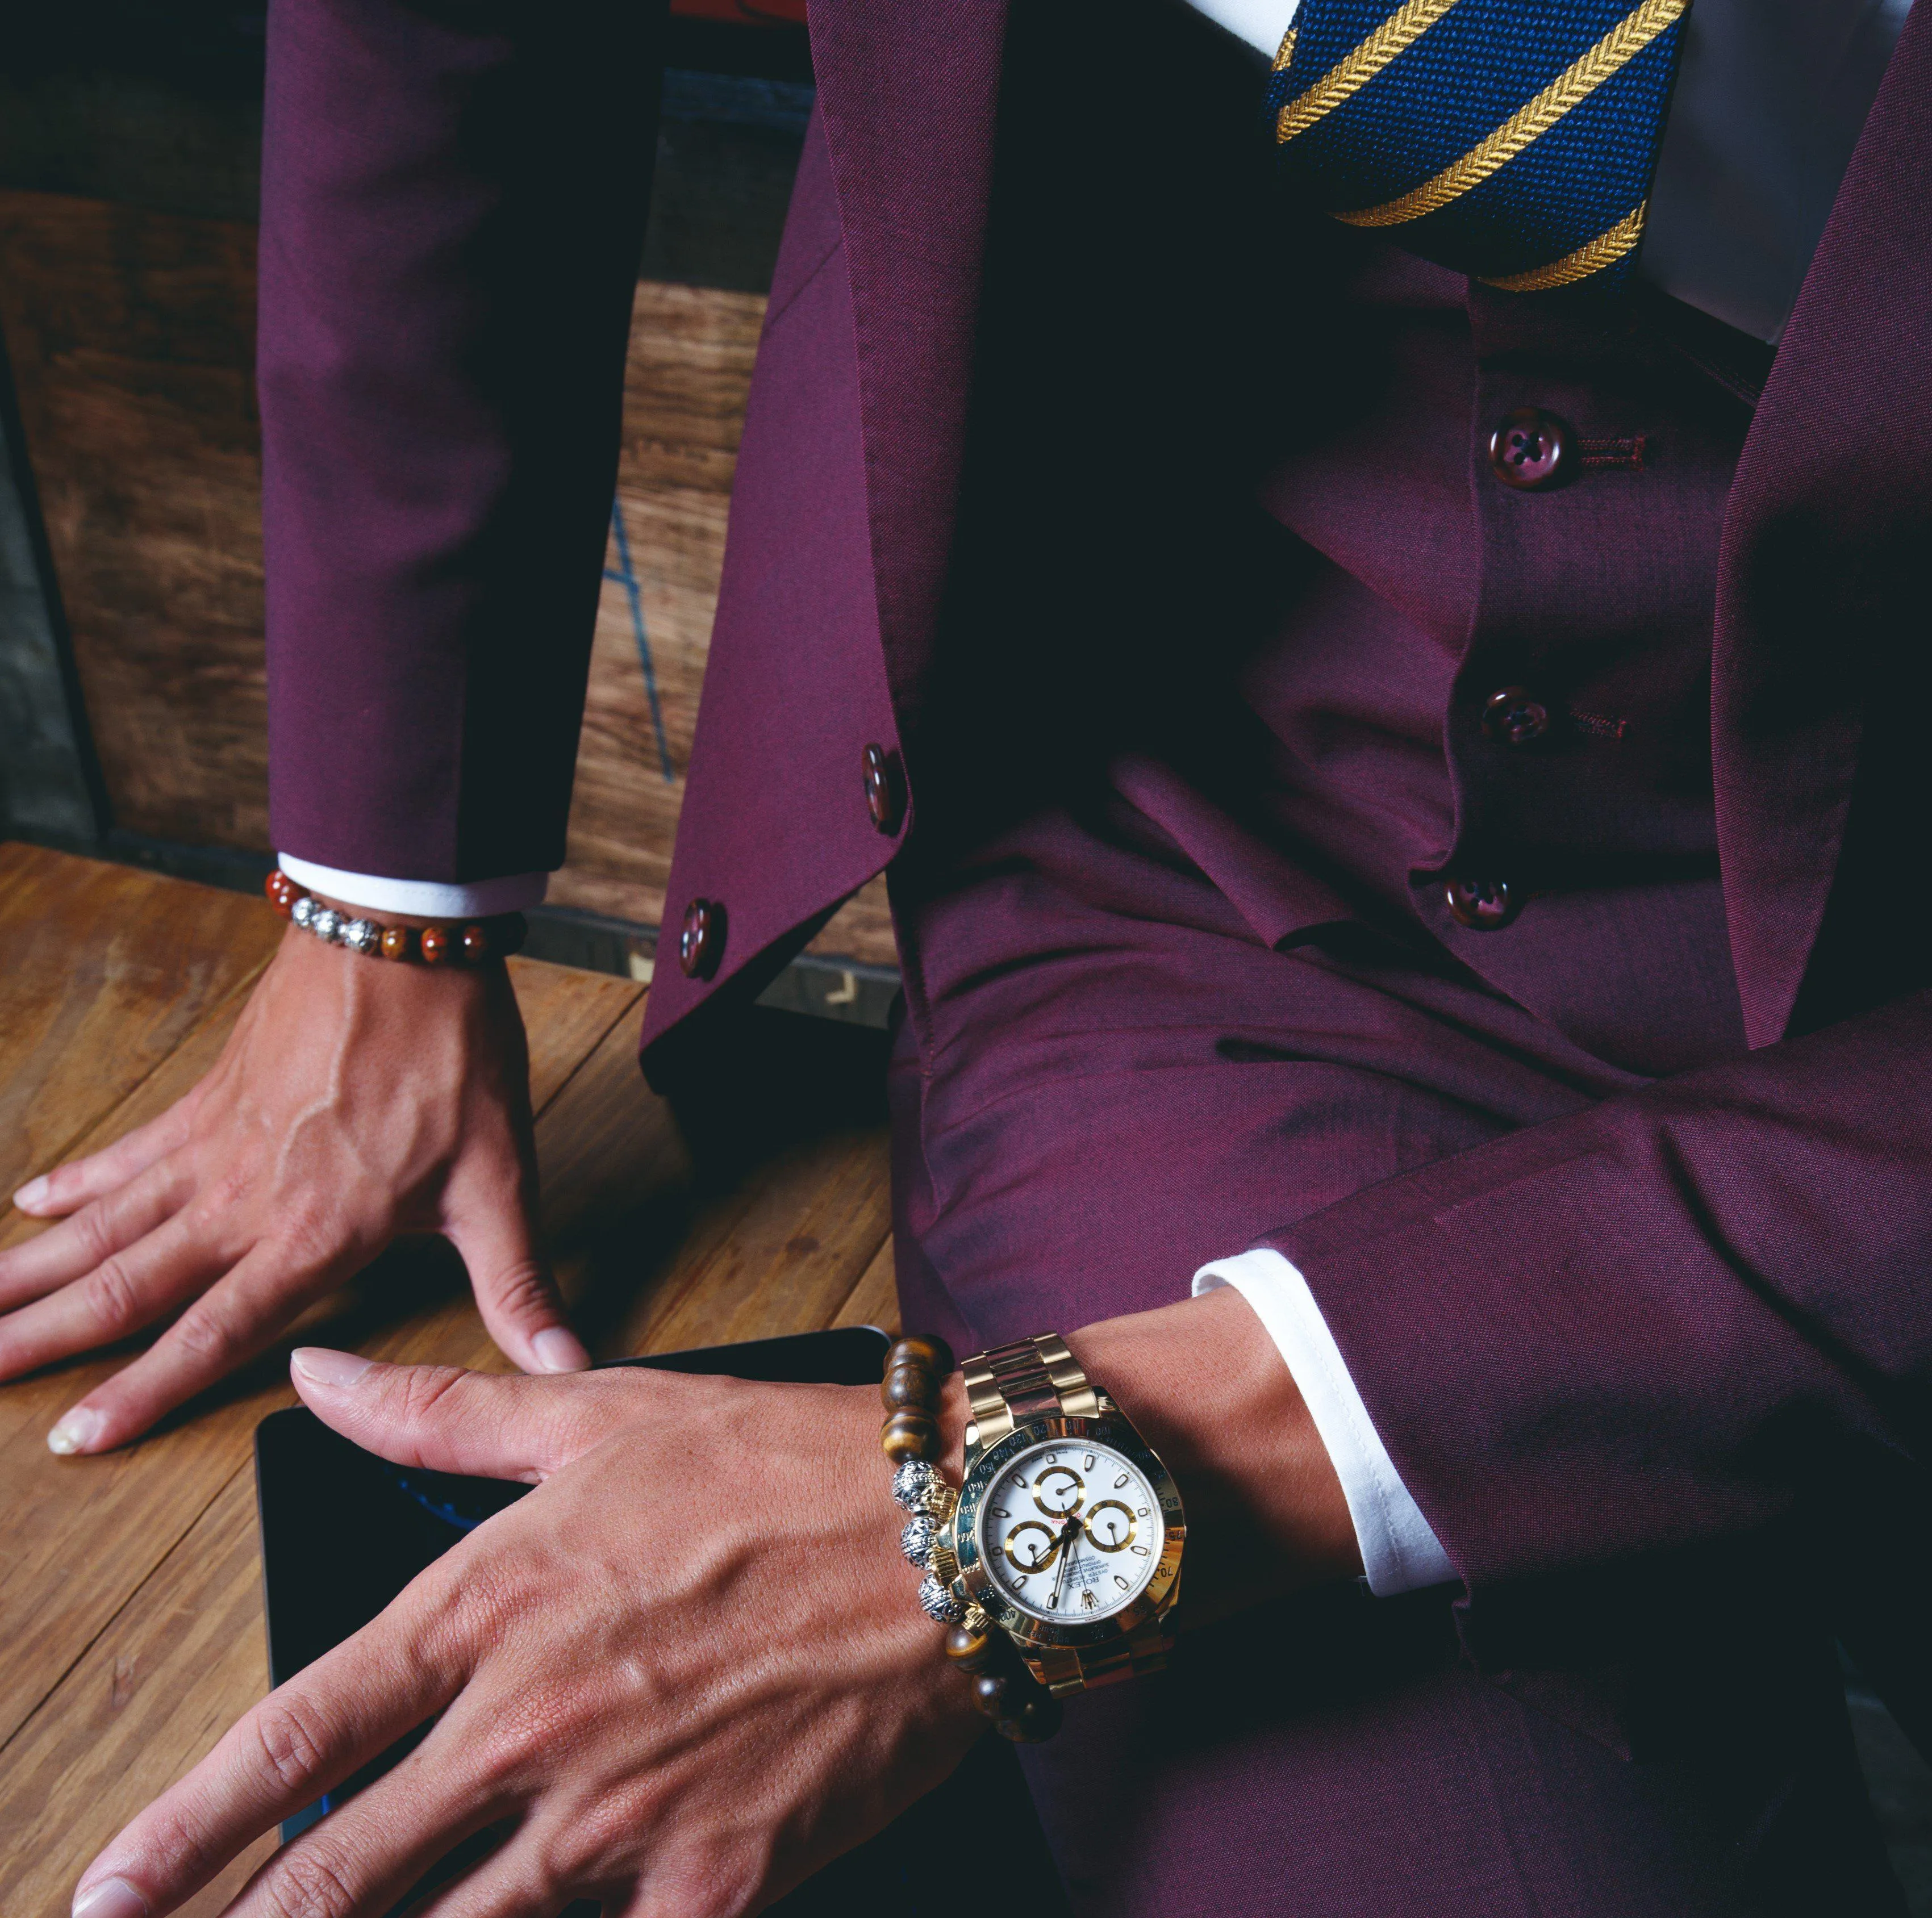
x,y
1070,1531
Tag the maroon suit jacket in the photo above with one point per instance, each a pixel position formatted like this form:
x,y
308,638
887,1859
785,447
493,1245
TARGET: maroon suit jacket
x,y
1656,1322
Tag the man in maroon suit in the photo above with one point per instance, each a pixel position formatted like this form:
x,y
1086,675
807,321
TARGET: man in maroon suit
x,y
1403,807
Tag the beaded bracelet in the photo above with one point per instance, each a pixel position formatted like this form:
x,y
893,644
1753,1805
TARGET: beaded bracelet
x,y
433,946
1021,1708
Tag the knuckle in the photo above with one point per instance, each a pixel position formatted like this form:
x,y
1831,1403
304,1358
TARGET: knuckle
x,y
91,1229
312,1881
523,1289
111,1298
424,1388
204,1331
290,1734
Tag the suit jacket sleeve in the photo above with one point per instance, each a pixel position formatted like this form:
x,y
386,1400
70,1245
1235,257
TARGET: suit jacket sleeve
x,y
1670,1318
452,211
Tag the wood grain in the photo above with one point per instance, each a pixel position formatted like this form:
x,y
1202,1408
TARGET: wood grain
x,y
107,971
130,336
874,1300
132,340
146,1700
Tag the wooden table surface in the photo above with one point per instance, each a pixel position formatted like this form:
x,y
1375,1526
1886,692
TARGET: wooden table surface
x,y
130,1611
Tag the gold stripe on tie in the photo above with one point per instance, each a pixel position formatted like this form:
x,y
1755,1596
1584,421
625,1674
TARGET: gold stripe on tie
x,y
1592,257
1287,52
1575,84
1358,66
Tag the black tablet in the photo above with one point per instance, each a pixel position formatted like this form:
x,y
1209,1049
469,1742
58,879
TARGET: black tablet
x,y
343,1532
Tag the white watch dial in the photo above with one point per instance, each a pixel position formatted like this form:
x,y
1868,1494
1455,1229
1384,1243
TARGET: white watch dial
x,y
1070,1531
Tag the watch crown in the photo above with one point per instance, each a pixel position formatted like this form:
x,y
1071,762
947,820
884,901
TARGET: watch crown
x,y
941,1562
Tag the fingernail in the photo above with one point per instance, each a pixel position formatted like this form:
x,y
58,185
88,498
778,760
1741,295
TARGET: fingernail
x,y
76,1433
33,1193
328,1367
558,1350
112,1898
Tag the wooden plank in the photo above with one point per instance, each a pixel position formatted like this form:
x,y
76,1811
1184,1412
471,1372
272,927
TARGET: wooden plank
x,y
132,339
108,970
874,1300
83,1533
144,1701
130,336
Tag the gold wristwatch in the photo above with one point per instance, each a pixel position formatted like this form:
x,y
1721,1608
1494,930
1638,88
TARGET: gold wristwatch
x,y
1068,1531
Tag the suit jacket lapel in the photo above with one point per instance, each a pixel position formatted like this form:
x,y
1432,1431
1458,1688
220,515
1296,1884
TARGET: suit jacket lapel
x,y
908,89
1817,574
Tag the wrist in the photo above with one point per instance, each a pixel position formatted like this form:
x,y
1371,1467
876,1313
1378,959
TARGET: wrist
x,y
1205,1385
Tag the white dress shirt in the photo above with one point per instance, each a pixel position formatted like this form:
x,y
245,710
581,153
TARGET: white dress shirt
x,y
1769,100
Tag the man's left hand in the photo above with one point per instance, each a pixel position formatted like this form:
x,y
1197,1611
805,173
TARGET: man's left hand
x,y
685,1673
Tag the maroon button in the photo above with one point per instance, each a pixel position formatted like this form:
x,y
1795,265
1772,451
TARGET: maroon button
x,y
1531,449
700,940
885,789
1514,718
1483,905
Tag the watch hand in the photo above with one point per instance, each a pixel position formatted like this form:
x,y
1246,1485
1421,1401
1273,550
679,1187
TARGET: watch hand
x,y
1069,1536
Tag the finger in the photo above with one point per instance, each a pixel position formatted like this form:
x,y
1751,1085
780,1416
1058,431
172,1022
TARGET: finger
x,y
482,1423
515,1293
222,1329
128,1290
514,1881
68,1188
302,1740
73,1247
368,1854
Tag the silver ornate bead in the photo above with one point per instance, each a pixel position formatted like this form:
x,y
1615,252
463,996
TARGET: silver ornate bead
x,y
913,1484
362,935
303,911
327,925
939,1603
915,1541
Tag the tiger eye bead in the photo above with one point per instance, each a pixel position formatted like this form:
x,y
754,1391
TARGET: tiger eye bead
x,y
989,1694
475,943
910,1435
971,1651
434,944
930,1354
909,1388
1035,1722
395,942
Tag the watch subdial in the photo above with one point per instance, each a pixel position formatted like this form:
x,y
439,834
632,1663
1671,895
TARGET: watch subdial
x,y
1031,1546
1058,1491
1110,1526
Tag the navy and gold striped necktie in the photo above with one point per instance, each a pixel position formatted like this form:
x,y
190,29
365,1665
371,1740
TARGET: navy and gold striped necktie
x,y
1510,139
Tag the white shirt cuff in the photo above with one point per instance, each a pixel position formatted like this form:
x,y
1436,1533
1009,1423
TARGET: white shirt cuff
x,y
1399,1551
1263,24
420,898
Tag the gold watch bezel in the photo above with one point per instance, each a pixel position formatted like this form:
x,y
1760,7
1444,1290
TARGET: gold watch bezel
x,y
975,1584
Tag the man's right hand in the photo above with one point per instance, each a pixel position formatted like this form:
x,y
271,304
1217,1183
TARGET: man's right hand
x,y
355,1100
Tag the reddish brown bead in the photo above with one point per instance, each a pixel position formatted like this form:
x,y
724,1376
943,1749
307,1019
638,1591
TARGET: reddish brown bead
x,y
989,1693
909,1388
475,945
910,1435
282,892
434,944
935,1354
395,942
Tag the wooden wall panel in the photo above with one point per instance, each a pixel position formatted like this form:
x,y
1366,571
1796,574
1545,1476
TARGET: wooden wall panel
x,y
132,339
131,336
